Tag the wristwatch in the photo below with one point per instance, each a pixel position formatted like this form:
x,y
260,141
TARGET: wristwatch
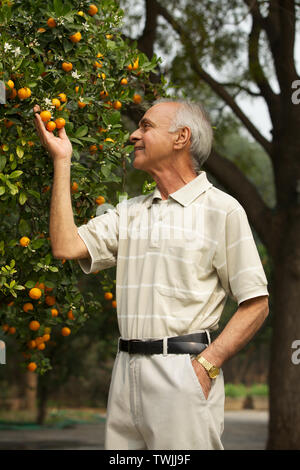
x,y
212,370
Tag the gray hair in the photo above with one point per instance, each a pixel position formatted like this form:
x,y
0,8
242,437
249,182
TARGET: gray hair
x,y
193,116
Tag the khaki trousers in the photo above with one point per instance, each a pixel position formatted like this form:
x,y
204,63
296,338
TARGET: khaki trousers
x,y
156,403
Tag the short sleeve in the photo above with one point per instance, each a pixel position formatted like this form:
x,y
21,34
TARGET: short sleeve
x,y
237,260
100,235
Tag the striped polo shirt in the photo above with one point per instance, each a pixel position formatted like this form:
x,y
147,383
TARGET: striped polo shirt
x,y
177,259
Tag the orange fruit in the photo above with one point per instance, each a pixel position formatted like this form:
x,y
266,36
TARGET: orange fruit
x,y
32,366
35,293
81,104
109,36
80,13
11,330
108,295
54,312
47,330
135,64
117,105
40,285
46,337
45,116
10,304
41,346
50,126
10,83
108,139
31,344
24,241
100,200
63,97
13,94
92,10
137,98
34,325
74,187
67,66
103,94
28,306
114,304
65,331
76,37
71,315
50,300
97,64
5,327
56,102
124,81
60,123
23,93
51,22
8,123
93,149
28,91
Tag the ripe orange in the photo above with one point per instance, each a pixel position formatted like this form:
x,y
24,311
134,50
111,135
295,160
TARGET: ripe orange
x,y
24,241
71,315
46,337
92,10
74,187
103,94
109,36
75,37
108,139
28,91
137,98
56,102
124,81
93,149
100,200
5,327
67,66
35,293
81,104
108,295
65,331
34,325
13,94
10,83
31,344
117,105
80,13
60,123
28,306
45,116
41,346
135,64
11,330
97,64
8,123
47,330
32,366
63,96
23,93
50,126
50,300
51,22
54,312
114,304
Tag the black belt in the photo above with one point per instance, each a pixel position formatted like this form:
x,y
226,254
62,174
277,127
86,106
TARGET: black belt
x,y
194,343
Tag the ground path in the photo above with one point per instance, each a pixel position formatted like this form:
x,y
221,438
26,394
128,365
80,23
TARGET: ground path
x,y
244,430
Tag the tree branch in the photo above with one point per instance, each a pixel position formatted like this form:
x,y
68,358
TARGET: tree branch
x,y
215,86
241,88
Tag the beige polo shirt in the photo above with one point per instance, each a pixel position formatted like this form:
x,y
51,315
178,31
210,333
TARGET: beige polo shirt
x,y
177,259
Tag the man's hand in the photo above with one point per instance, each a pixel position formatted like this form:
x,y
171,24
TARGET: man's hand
x,y
60,148
203,377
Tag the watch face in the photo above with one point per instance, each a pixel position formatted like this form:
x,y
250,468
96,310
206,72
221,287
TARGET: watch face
x,y
214,372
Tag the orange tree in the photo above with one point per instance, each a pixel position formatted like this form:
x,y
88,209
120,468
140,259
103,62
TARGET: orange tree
x,y
71,59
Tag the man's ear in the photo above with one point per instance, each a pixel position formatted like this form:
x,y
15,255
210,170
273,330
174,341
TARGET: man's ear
x,y
183,137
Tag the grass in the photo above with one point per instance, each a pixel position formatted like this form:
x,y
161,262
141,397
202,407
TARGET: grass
x,y
240,390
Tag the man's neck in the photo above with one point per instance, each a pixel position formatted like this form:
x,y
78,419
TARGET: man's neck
x,y
170,181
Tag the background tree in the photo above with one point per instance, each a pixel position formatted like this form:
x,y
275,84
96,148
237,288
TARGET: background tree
x,y
236,49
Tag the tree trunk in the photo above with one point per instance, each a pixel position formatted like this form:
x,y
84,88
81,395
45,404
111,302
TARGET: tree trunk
x,y
30,391
284,376
42,401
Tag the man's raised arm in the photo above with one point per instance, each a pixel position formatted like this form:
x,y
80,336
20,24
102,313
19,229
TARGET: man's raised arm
x,y
65,240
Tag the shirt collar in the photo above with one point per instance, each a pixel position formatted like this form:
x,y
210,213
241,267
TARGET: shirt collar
x,y
187,193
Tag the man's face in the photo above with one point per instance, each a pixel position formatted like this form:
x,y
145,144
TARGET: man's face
x,y
153,144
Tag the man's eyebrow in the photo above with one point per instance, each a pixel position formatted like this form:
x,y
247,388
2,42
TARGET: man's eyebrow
x,y
145,120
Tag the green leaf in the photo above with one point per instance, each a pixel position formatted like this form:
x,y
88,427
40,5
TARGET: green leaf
x,y
15,174
58,7
67,45
34,193
81,131
105,170
30,284
22,198
2,162
2,190
76,141
20,152
53,269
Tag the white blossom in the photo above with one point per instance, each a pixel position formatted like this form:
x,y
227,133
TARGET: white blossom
x,y
17,51
7,47
75,74
47,102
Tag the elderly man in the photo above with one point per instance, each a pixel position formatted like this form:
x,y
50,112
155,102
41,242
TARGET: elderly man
x,y
180,251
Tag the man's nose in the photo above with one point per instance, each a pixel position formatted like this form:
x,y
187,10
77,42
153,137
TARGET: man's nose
x,y
135,136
